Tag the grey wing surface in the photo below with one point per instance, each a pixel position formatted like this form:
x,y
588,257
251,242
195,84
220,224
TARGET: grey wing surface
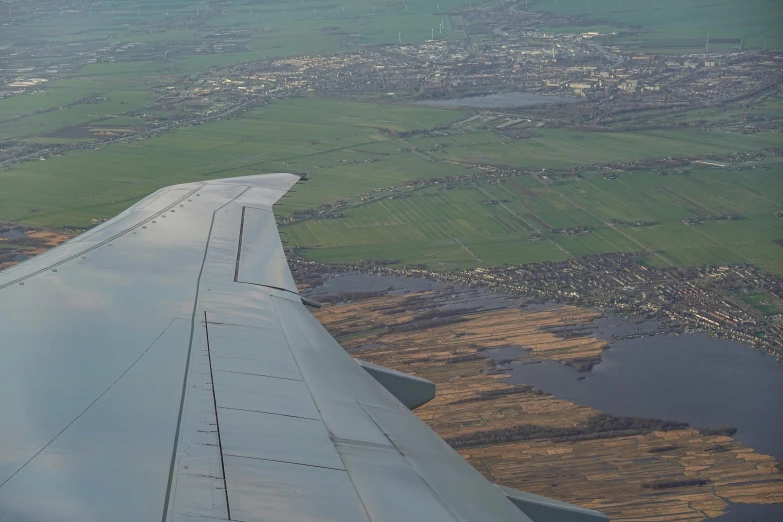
x,y
162,366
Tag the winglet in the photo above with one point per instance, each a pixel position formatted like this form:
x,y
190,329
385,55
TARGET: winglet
x,y
542,509
409,390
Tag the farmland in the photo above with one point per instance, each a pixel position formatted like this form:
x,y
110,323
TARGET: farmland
x,y
528,219
157,44
680,26
296,135
352,148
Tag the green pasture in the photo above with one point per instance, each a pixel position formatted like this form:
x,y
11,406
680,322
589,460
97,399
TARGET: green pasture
x,y
331,140
683,25
458,227
352,148
562,148
182,38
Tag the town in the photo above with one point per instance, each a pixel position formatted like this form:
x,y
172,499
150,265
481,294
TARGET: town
x,y
502,51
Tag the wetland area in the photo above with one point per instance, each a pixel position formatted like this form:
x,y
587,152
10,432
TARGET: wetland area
x,y
507,358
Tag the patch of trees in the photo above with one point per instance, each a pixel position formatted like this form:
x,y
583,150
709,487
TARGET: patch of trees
x,y
583,364
423,325
727,431
494,394
379,262
724,217
675,483
638,223
432,314
415,360
662,449
332,215
468,357
574,231
414,302
344,297
326,207
601,426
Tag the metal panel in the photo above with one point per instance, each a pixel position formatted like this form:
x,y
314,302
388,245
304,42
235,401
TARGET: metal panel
x,y
254,351
277,437
321,358
383,478
261,259
264,395
264,491
346,420
115,452
455,481
137,216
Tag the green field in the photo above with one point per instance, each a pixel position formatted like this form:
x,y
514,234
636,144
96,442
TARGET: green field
x,y
561,148
351,148
683,25
178,45
317,136
455,228
274,28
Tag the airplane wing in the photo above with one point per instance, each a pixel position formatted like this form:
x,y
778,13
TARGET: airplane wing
x,y
162,366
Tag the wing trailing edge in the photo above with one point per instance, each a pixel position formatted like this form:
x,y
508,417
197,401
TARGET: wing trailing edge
x,y
543,509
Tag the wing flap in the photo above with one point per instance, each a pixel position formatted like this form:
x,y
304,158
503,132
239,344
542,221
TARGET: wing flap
x,y
410,390
542,509
261,260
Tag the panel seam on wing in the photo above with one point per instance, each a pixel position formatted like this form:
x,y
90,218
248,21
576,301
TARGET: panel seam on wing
x,y
410,464
288,342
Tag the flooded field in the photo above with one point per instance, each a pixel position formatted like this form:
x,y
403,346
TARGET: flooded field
x,y
12,233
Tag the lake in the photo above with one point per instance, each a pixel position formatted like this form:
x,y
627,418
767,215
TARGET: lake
x,y
693,378
498,101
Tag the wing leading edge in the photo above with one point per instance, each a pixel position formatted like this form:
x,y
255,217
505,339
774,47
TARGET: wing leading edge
x,y
162,366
